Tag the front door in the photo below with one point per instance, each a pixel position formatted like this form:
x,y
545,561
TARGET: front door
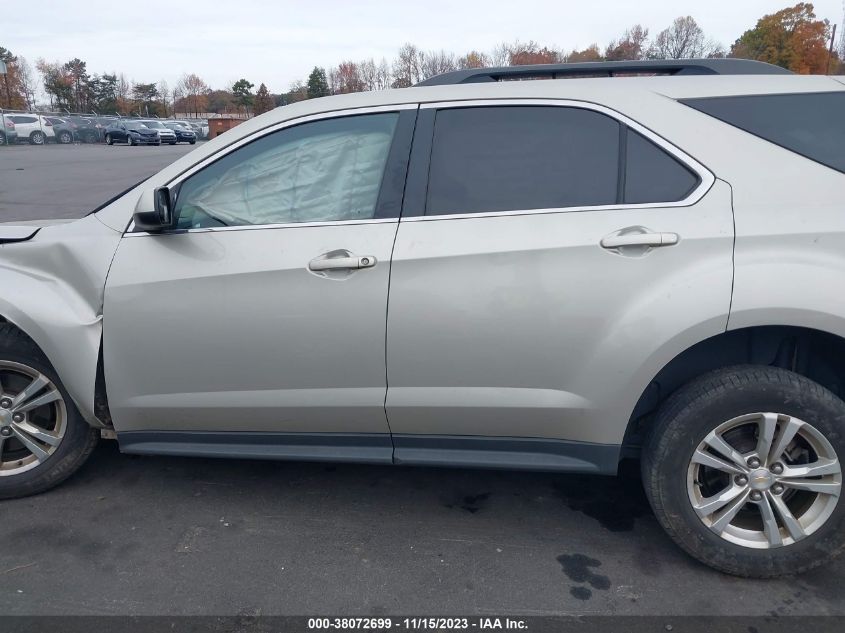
x,y
258,327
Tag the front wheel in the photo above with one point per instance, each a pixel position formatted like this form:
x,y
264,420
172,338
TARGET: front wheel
x,y
65,137
742,468
36,138
109,140
43,438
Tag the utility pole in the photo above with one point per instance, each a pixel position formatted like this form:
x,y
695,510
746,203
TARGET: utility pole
x,y
830,52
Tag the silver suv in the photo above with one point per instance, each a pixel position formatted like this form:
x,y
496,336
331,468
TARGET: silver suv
x,y
548,275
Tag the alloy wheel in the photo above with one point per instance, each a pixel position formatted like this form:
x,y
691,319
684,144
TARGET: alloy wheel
x,y
33,418
764,480
37,138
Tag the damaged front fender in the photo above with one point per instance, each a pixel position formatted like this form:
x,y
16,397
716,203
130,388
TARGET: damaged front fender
x,y
51,287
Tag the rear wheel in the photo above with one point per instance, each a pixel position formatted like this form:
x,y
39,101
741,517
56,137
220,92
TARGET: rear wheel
x,y
36,138
109,140
65,137
43,438
742,469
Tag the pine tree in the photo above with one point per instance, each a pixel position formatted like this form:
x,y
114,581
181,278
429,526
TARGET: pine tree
x,y
263,101
318,85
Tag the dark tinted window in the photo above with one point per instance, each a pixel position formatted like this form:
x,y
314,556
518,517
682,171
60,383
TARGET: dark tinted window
x,y
522,157
810,124
652,175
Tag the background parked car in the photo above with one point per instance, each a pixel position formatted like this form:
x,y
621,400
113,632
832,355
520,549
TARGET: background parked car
x,y
131,131
63,130
184,132
8,134
35,128
167,135
85,128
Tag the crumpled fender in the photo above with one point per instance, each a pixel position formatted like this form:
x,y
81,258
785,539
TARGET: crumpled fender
x,y
51,287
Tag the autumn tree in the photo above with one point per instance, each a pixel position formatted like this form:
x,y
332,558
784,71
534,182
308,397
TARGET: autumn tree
x,y
27,81
435,63
11,92
684,39
346,78
318,84
221,101
164,96
298,92
194,93
77,72
531,53
407,68
263,101
792,38
589,54
633,45
57,83
473,59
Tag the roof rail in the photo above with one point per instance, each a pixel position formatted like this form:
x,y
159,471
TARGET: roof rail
x,y
607,69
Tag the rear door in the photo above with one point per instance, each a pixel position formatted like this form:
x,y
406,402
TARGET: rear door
x,y
549,255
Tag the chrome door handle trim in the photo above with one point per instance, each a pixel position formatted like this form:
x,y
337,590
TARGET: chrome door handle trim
x,y
652,240
342,263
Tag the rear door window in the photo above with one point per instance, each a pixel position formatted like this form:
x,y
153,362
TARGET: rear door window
x,y
508,158
809,124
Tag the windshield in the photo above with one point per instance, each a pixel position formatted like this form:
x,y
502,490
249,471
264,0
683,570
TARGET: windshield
x,y
154,125
135,125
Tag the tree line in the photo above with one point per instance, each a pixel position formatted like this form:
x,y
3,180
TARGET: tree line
x,y
793,38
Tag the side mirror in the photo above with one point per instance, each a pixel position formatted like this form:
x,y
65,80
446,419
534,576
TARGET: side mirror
x,y
154,211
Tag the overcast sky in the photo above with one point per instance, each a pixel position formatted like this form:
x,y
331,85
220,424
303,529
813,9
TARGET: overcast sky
x,y
279,42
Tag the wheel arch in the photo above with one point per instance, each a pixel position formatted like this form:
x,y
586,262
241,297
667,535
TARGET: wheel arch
x,y
816,354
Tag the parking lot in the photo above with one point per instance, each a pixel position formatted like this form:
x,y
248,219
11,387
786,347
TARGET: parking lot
x,y
176,536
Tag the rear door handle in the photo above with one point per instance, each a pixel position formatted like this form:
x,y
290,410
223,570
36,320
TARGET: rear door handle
x,y
653,240
352,262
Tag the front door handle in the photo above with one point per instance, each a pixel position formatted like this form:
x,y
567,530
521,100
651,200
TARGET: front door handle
x,y
653,240
351,262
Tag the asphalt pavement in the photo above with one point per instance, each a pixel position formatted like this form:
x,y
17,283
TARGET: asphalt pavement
x,y
67,181
179,536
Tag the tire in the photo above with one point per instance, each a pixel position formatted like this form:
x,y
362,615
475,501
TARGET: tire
x,y
730,401
132,142
171,142
65,138
36,138
109,140
158,143
77,439
192,142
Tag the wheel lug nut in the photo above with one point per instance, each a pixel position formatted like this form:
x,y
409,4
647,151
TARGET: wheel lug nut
x,y
741,480
18,417
5,403
777,469
756,495
754,462
5,431
777,489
